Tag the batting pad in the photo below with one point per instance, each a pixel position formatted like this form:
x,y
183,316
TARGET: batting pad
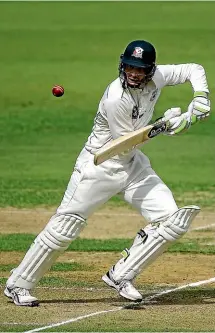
x,y
151,242
47,247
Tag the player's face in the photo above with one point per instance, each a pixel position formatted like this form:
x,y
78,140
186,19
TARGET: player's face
x,y
134,75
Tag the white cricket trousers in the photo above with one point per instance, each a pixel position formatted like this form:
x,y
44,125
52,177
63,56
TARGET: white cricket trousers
x,y
91,186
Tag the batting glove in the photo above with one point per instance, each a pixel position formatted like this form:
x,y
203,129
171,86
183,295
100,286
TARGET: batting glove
x,y
177,122
200,106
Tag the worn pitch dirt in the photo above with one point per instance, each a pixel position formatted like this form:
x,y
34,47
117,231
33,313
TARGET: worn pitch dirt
x,y
180,311
108,222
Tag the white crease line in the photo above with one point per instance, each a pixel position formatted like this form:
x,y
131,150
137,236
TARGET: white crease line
x,y
149,298
92,289
117,331
139,215
192,284
72,320
67,288
203,227
74,287
96,213
27,324
51,213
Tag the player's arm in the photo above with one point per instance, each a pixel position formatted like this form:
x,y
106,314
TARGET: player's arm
x,y
177,74
119,117
199,107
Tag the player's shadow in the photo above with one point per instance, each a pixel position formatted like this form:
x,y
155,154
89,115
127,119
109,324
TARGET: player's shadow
x,y
107,300
182,297
185,297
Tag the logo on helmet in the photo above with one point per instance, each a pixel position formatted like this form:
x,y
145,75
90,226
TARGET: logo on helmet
x,y
138,52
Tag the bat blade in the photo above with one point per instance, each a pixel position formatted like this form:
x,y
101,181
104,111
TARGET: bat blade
x,y
128,141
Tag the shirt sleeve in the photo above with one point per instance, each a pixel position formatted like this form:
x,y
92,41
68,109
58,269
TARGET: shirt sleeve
x,y
119,117
176,74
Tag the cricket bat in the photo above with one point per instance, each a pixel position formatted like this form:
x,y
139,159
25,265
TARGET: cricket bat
x,y
128,141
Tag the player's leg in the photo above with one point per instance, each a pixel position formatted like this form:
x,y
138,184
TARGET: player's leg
x,y
47,246
89,187
155,202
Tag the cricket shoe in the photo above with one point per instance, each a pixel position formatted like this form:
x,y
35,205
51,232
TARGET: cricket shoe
x,y
124,288
21,296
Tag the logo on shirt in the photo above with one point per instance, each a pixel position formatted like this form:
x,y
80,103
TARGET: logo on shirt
x,y
135,112
154,94
138,52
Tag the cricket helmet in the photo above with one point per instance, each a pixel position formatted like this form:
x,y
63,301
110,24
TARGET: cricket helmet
x,y
140,54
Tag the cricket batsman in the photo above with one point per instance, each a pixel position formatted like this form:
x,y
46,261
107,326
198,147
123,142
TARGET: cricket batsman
x,y
127,104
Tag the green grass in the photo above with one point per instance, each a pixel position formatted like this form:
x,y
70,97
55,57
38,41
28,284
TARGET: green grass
x,y
21,242
60,282
77,44
58,267
179,306
16,328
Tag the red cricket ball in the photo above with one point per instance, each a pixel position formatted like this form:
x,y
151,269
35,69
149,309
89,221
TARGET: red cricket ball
x,y
58,91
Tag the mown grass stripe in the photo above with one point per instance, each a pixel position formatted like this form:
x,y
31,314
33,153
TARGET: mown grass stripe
x,y
58,267
60,282
21,242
